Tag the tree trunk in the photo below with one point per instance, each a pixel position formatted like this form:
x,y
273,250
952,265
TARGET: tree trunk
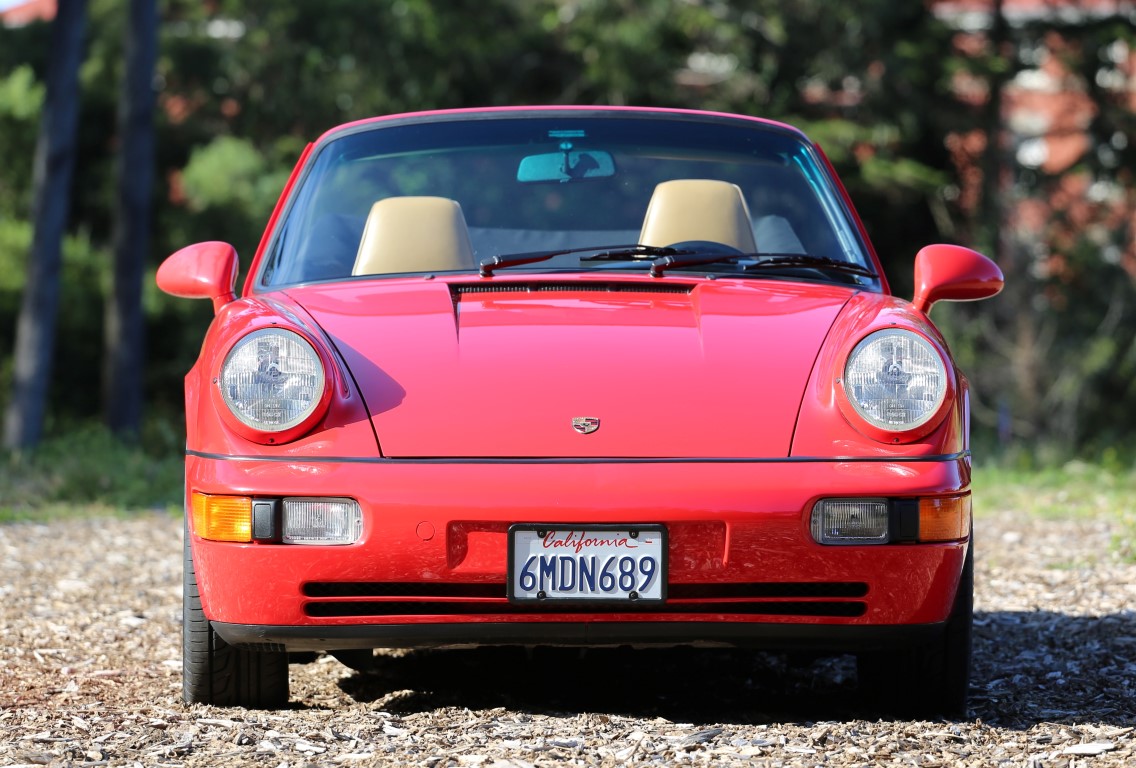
x,y
125,324
53,171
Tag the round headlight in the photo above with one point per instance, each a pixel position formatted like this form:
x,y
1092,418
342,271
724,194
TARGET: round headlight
x,y
895,380
272,380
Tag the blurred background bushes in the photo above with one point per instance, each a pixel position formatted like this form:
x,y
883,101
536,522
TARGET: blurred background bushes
x,y
920,110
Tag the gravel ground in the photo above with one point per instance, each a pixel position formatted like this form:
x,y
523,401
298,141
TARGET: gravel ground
x,y
90,675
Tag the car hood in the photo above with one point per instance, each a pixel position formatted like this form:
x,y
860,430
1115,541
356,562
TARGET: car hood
x,y
660,369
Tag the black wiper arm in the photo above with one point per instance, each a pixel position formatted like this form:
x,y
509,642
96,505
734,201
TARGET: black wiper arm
x,y
502,261
758,261
690,259
774,260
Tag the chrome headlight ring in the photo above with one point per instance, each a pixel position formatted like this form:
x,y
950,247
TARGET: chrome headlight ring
x,y
273,385
896,385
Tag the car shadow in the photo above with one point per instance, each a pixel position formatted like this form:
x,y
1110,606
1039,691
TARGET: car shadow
x,y
1028,668
1040,666
680,684
382,392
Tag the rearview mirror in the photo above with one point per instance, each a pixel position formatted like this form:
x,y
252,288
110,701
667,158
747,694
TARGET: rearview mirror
x,y
566,166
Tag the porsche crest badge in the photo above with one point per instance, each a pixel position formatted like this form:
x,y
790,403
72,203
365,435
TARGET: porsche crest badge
x,y
585,425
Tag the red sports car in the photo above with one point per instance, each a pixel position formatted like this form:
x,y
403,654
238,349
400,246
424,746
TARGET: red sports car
x,y
574,376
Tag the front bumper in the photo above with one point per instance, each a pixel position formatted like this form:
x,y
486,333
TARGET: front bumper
x,y
430,568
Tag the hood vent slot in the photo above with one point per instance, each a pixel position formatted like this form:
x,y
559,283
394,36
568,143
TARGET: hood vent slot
x,y
576,286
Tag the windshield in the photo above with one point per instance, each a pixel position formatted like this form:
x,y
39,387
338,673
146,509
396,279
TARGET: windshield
x,y
450,195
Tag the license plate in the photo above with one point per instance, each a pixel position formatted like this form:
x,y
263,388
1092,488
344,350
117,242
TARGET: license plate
x,y
593,563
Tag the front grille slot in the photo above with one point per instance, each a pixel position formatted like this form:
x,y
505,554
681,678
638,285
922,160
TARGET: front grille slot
x,y
402,589
382,600
343,609
768,589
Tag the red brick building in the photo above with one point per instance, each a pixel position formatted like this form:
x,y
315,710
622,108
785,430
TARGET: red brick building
x,y
17,13
1065,180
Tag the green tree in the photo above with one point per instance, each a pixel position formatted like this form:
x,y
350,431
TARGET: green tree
x,y
53,171
125,323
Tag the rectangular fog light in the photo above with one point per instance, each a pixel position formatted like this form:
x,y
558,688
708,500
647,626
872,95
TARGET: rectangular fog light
x,y
850,521
321,521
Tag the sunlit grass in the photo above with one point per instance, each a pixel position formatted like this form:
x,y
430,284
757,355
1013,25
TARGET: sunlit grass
x,y
89,473
54,511
1074,490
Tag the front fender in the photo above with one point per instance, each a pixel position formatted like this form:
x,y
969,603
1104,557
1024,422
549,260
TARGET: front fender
x,y
344,431
822,427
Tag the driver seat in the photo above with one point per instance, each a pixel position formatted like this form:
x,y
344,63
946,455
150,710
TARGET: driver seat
x,y
685,210
414,234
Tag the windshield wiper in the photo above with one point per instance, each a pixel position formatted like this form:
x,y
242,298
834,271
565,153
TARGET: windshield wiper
x,y
487,267
759,261
676,258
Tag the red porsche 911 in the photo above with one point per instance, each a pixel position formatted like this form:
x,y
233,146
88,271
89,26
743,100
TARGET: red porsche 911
x,y
574,376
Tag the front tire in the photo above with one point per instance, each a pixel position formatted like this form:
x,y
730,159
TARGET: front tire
x,y
927,680
214,672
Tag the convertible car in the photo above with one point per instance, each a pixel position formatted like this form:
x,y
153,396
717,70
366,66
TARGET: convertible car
x,y
574,376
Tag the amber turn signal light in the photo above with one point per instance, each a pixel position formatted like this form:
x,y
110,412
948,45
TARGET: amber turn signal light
x,y
944,518
222,518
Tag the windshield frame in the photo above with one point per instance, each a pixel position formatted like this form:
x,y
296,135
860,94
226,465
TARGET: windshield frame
x,y
832,198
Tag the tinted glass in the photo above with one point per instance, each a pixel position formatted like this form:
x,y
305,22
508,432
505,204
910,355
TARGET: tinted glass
x,y
551,183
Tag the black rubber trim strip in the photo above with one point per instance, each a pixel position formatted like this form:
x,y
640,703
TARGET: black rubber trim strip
x,y
826,637
585,460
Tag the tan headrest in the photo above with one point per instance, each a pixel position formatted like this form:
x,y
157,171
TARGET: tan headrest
x,y
414,234
698,209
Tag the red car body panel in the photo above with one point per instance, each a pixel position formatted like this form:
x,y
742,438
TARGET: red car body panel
x,y
721,415
446,523
497,361
822,430
736,508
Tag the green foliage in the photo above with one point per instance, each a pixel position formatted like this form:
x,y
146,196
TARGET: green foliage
x,y
15,240
78,353
229,172
231,187
627,51
89,466
21,98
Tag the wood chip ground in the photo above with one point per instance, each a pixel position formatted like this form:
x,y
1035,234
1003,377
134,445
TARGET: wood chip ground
x,y
90,675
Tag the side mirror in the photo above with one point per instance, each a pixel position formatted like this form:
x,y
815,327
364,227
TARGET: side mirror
x,y
953,273
201,271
